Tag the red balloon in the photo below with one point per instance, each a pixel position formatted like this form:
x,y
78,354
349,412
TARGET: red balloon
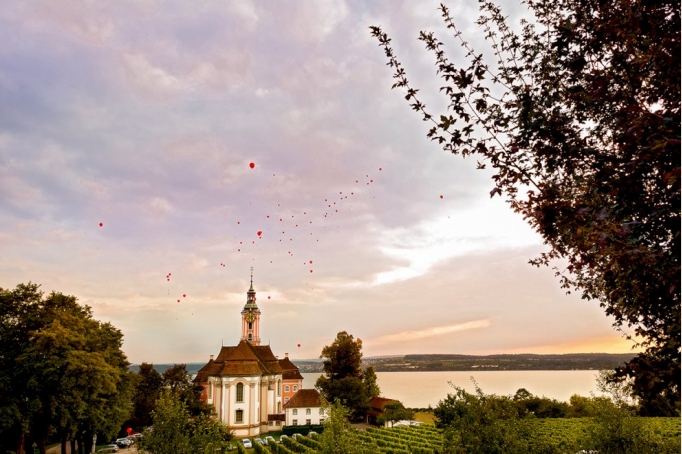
x,y
441,196
252,165
268,297
178,301
184,295
101,224
260,233
129,430
299,345
311,271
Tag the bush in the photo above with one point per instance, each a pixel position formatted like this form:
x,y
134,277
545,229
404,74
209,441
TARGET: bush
x,y
486,423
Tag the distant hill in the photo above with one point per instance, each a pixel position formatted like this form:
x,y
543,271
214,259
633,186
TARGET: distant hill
x,y
454,362
527,361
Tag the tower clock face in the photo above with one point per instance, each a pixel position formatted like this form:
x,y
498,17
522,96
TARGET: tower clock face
x,y
250,317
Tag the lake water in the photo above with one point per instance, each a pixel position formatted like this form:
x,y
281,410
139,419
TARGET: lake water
x,y
421,389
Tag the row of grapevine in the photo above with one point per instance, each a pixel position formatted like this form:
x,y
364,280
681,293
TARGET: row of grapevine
x,y
296,445
566,434
417,438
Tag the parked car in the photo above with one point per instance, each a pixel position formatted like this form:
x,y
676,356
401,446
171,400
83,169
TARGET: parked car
x,y
247,443
260,441
270,439
108,448
123,443
312,433
281,438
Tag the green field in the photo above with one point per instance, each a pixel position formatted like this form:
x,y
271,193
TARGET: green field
x,y
568,434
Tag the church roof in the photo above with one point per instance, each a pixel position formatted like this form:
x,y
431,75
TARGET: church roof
x,y
242,359
289,370
305,398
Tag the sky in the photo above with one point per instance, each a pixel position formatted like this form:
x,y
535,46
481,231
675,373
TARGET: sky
x,y
127,134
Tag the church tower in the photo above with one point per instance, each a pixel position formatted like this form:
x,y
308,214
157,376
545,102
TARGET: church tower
x,y
251,317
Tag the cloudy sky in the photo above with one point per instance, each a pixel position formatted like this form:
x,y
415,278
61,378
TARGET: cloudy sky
x,y
144,116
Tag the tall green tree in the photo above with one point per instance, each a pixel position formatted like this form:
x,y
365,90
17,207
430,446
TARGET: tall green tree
x,y
179,381
369,377
578,116
148,386
65,371
343,375
176,431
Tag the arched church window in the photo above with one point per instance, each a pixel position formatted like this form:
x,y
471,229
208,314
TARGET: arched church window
x,y
279,387
239,416
240,393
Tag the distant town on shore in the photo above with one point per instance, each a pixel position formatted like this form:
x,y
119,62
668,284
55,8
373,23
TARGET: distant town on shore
x,y
454,362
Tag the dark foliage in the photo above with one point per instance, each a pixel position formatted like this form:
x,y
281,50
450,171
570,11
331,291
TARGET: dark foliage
x,y
63,375
344,379
580,120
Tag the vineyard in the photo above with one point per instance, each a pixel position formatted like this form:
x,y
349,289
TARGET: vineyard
x,y
567,434
423,439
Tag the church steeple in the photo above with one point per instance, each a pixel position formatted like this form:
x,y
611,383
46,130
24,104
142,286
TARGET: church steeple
x,y
251,317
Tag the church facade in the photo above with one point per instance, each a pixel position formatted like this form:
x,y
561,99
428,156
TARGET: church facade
x,y
245,383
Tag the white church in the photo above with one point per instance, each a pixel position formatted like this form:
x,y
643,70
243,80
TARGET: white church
x,y
246,383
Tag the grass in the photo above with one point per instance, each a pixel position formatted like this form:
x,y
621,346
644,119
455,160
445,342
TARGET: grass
x,y
425,417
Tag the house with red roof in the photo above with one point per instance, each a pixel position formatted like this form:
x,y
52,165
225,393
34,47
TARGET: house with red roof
x,y
292,380
306,407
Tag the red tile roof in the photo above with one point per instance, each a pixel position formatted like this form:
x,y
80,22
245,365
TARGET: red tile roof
x,y
242,359
289,370
305,398
379,403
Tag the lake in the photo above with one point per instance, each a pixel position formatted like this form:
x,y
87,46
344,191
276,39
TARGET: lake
x,y
421,389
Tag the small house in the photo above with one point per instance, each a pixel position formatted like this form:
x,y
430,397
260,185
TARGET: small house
x,y
305,408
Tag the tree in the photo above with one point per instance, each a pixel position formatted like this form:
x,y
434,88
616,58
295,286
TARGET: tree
x,y
147,390
179,381
369,377
485,423
394,412
176,431
339,437
343,358
62,372
580,121
343,379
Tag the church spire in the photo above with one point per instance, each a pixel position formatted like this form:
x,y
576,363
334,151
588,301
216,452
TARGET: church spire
x,y
251,317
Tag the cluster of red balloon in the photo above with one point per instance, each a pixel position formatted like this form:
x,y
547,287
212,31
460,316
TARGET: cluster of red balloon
x,y
289,234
